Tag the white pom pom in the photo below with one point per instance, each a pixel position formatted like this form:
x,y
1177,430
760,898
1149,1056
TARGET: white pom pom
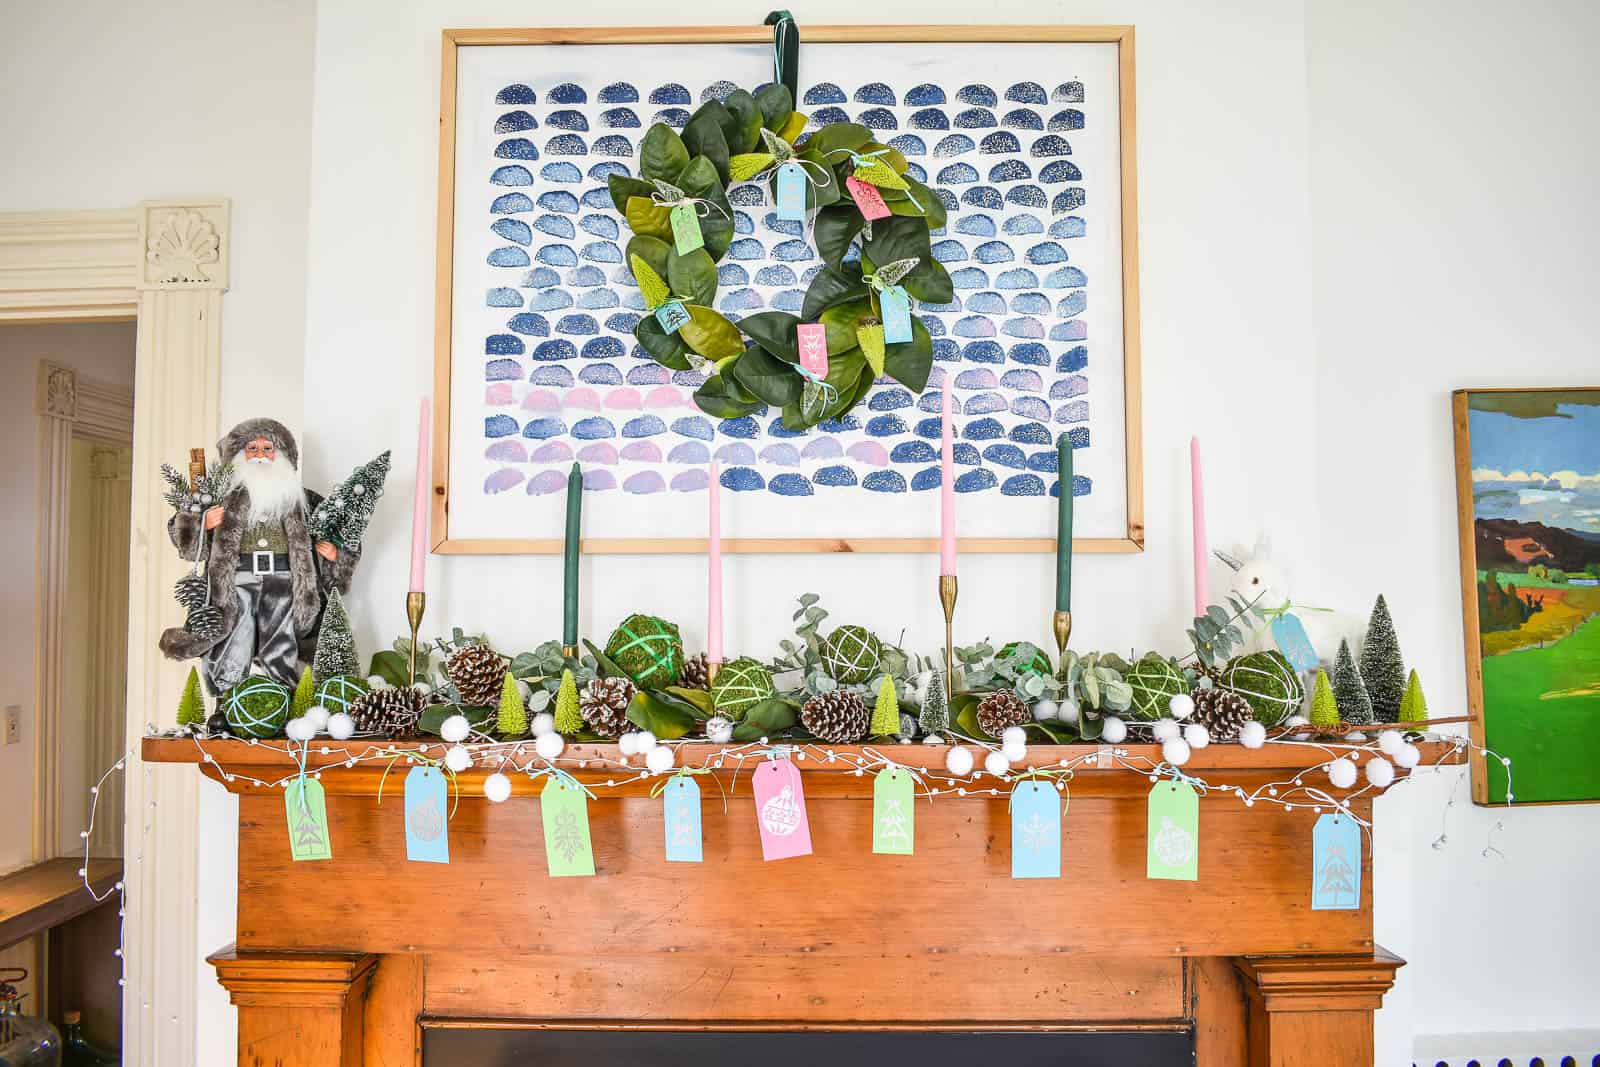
x,y
1013,735
341,726
1408,756
423,687
628,744
300,729
1175,751
1181,705
659,759
1296,720
455,729
1164,729
319,716
958,761
375,681
996,763
1016,752
544,723
549,745
1252,734
1342,773
497,787
1389,741
1380,772
458,759
1067,711
1197,735
719,731
524,689
1045,711
644,741
1113,731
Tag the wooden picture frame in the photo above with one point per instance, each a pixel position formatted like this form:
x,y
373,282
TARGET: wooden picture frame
x,y
446,542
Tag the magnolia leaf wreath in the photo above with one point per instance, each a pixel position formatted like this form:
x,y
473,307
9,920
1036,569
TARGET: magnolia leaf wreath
x,y
678,210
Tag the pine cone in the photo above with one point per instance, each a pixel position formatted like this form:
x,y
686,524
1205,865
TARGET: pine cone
x,y
477,672
191,591
605,706
1001,709
837,718
696,673
389,712
1221,711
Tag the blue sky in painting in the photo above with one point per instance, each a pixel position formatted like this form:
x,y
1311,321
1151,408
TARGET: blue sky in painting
x,y
1544,469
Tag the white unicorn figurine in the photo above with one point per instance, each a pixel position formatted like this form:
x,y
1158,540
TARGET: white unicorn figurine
x,y
1260,579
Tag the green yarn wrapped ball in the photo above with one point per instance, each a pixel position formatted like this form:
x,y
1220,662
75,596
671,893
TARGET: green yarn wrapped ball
x,y
851,654
339,692
1155,681
648,649
1039,664
1268,683
739,686
256,707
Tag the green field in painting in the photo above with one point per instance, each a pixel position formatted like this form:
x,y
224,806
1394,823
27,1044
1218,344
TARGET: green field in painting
x,y
1546,718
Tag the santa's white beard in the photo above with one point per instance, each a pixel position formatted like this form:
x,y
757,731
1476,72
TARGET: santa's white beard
x,y
274,488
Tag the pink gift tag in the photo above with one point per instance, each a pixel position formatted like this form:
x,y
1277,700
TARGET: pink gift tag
x,y
781,811
813,339
868,199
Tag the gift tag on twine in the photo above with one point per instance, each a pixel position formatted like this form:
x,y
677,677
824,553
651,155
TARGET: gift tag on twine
x,y
307,811
867,198
894,826
1035,830
672,315
567,850
686,229
1335,863
1290,635
781,811
791,191
895,305
813,341
1173,832
427,816
680,815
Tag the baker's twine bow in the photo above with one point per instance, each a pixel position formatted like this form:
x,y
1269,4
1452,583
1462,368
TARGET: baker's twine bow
x,y
663,784
1057,776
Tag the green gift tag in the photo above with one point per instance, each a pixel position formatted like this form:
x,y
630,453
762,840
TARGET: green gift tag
x,y
566,830
307,811
686,229
1173,835
894,827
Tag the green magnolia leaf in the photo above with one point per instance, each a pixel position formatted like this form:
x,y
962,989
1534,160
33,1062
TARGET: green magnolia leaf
x,y
835,228
967,718
391,667
841,321
699,699
847,371
649,218
621,187
890,156
766,376
653,250
744,133
773,331
910,362
701,181
667,349
607,668
716,399
775,103
1055,733
832,286
693,277
434,715
930,283
917,201
667,721
703,135
662,154
772,715
895,238
834,141
710,334
823,187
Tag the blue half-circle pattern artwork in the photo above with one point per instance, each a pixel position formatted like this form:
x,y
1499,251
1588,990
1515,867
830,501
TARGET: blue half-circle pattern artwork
x,y
516,148
516,94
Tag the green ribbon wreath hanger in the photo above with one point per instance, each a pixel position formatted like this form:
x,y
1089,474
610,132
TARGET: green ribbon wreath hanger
x,y
785,52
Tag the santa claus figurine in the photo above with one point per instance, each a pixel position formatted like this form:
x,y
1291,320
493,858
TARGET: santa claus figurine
x,y
262,568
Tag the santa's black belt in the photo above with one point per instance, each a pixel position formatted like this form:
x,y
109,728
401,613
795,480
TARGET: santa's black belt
x,y
264,562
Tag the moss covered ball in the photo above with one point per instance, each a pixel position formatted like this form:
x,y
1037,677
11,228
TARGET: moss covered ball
x,y
1268,683
648,649
1038,663
1155,681
739,686
339,692
256,707
851,654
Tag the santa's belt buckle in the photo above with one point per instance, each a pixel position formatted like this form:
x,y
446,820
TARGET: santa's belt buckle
x,y
261,562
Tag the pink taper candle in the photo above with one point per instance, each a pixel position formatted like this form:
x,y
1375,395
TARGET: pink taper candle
x,y
419,511
947,484
1202,583
714,573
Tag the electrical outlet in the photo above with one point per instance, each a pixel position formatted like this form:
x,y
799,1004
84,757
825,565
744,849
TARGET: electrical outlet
x,y
13,723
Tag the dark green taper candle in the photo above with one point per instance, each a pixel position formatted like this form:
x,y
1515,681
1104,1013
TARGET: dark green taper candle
x,y
569,619
1064,525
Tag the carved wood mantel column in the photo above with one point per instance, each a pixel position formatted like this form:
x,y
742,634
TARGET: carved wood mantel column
x,y
297,1007
1314,1011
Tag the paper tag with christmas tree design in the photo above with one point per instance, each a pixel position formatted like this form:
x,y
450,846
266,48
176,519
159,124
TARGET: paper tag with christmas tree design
x,y
686,233
1173,832
868,200
812,337
1292,640
781,811
895,305
1035,830
1335,864
894,816
680,816
791,191
307,811
567,851
427,816
672,315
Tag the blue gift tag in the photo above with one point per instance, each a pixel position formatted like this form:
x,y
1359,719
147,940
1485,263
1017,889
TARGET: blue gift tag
x,y
1035,830
896,308
1335,863
427,816
791,191
672,315
1290,634
681,817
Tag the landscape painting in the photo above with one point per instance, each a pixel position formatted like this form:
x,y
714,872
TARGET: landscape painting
x,y
1528,479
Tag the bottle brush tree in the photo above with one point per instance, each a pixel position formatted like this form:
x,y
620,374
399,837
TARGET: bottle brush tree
x,y
569,716
305,694
513,718
935,713
1382,669
886,712
1349,690
1413,705
336,644
191,706
1324,706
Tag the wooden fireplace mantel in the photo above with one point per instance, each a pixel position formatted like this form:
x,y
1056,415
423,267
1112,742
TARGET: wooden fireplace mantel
x,y
344,962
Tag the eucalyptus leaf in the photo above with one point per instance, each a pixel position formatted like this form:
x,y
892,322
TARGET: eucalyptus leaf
x,y
662,154
1090,727
1217,615
605,666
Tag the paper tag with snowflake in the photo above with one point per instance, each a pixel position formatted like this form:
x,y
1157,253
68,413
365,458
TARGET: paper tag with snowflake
x,y
680,816
812,337
791,191
427,816
1335,864
894,827
686,233
1035,830
567,851
868,200
307,812
1292,640
1173,834
781,811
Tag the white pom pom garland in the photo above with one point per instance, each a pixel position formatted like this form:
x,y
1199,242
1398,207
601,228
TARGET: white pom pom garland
x,y
423,687
1408,756
1068,712
1252,734
458,759
1015,752
1164,730
319,716
958,761
659,759
341,726
497,787
376,681
299,729
549,745
996,763
719,731
1380,772
644,741
455,729
1175,751
1013,735
1113,731
1342,773
628,744
1196,734
1045,711
1181,706
543,723
1389,741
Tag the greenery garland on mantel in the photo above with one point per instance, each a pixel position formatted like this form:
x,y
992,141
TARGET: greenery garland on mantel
x,y
748,137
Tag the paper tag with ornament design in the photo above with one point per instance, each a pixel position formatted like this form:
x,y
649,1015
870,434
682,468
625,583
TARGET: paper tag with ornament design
x,y
781,811
812,338
868,200
1173,832
1289,633
307,812
894,816
1035,830
791,191
680,817
567,850
1335,864
686,233
427,816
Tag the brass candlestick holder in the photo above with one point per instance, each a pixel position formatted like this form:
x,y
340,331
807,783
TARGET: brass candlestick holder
x,y
947,599
569,651
415,602
1062,623
712,667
